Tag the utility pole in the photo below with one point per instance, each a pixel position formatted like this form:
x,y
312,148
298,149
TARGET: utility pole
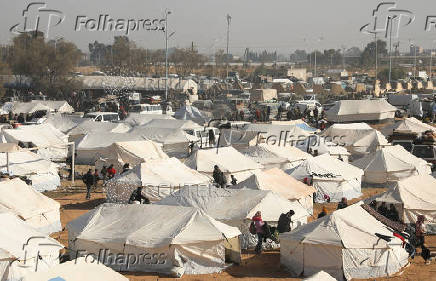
x,y
376,57
431,60
390,46
315,65
167,12
229,19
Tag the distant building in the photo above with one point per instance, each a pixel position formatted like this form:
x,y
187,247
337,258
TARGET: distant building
x,y
299,73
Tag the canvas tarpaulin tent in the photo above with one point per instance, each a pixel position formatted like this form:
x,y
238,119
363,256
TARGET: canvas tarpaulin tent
x,y
357,138
80,269
236,207
189,112
294,155
131,152
408,125
343,243
228,159
413,196
316,144
265,157
24,249
360,110
64,123
172,124
52,144
330,177
281,135
183,240
38,210
320,276
43,173
278,181
390,164
160,177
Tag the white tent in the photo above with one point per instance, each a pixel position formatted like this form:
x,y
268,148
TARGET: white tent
x,y
24,249
278,181
408,125
189,112
64,123
38,210
281,135
178,239
321,145
320,276
24,107
413,196
228,159
89,126
160,177
137,119
132,152
172,124
265,157
294,155
43,173
358,138
343,244
52,144
390,164
236,207
360,110
331,177
80,269
60,106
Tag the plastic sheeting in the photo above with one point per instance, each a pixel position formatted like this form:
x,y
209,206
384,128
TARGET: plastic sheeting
x,y
38,210
180,237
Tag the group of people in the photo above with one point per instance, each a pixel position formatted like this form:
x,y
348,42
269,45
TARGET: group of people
x,y
220,179
91,179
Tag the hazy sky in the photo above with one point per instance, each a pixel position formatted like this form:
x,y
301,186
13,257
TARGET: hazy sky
x,y
273,25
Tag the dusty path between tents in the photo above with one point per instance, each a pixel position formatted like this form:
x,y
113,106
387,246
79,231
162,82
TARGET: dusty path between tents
x,y
253,267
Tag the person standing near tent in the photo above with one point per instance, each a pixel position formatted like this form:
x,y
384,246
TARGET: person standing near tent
x,y
218,177
285,220
103,173
234,180
88,180
343,204
258,224
138,198
211,138
392,213
126,168
383,210
323,213
111,171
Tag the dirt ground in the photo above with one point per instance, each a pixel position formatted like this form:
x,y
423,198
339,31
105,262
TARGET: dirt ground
x,y
253,267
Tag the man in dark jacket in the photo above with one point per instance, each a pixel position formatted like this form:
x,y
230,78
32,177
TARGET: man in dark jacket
x,y
218,177
285,221
138,197
343,204
88,180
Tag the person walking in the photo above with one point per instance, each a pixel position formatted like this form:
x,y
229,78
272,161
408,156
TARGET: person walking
x,y
137,198
285,220
258,223
88,180
218,177
234,180
111,171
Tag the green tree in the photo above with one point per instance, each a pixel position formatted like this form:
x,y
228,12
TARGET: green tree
x,y
397,73
367,58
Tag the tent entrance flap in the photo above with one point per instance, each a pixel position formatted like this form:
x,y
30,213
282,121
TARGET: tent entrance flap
x,y
233,250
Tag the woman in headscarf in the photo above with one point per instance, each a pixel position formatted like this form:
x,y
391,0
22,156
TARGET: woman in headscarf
x,y
258,223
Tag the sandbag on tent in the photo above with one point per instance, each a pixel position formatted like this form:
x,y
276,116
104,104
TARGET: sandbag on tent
x,y
390,164
360,110
358,138
180,239
236,207
412,196
278,181
228,159
24,249
189,112
320,276
38,210
80,269
160,177
132,152
294,155
52,144
408,125
265,157
43,173
330,177
343,243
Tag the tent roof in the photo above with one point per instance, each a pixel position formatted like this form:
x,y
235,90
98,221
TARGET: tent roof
x,y
320,276
261,155
77,270
44,135
389,159
23,200
415,192
161,172
289,152
189,112
235,204
145,150
326,164
89,126
278,181
408,125
354,134
132,225
347,107
172,124
26,163
351,228
228,159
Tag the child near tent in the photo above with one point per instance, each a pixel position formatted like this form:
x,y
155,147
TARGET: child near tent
x,y
111,171
258,223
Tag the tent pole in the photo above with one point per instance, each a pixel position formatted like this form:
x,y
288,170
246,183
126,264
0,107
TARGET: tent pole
x,y
7,162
